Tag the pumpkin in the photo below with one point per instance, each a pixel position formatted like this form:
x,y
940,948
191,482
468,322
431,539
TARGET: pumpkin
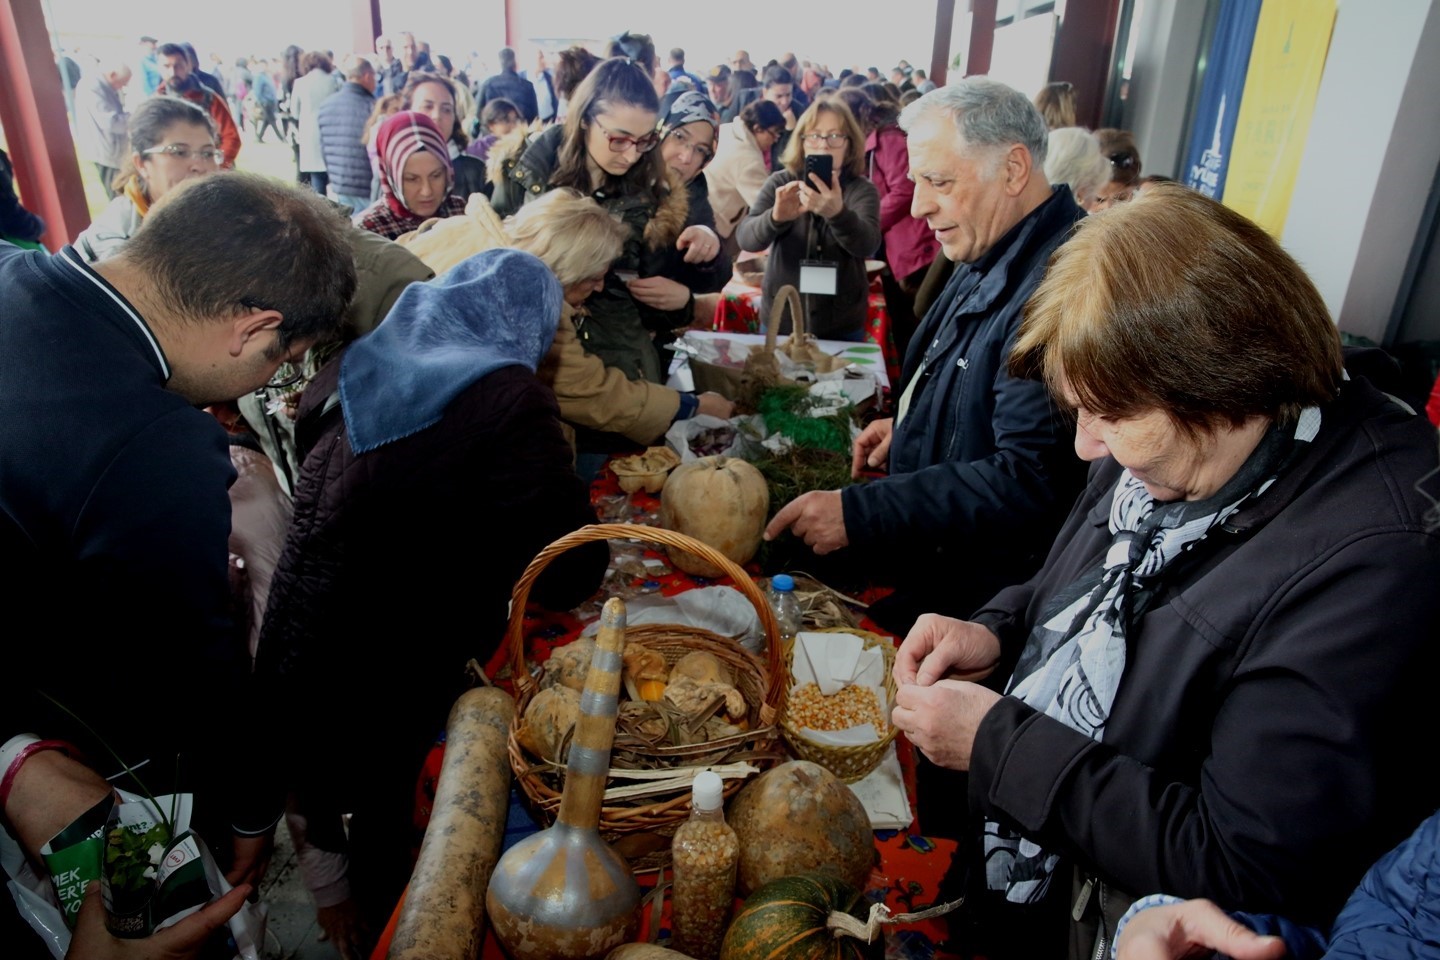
x,y
720,501
788,918
799,817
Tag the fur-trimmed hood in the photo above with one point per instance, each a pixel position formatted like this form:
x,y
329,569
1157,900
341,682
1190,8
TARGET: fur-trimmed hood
x,y
668,221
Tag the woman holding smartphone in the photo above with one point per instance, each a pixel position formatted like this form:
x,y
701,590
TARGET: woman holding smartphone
x,y
819,212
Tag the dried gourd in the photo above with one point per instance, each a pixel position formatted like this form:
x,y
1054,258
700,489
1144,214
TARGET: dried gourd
x,y
568,665
549,718
703,666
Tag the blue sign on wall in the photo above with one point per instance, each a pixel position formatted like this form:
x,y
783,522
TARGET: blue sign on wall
x,y
1219,105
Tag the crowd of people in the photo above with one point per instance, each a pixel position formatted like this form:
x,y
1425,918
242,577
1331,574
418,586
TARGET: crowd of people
x,y
1157,544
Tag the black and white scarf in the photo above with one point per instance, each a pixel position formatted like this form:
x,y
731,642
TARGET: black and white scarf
x,y
1074,659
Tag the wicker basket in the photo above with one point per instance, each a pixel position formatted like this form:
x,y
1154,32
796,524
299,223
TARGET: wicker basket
x,y
850,764
762,683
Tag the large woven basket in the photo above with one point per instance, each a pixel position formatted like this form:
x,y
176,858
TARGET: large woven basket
x,y
853,763
640,825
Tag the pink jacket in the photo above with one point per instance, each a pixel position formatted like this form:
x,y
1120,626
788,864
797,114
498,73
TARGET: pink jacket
x,y
909,244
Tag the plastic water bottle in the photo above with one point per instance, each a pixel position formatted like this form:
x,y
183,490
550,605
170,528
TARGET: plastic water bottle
x,y
786,607
706,854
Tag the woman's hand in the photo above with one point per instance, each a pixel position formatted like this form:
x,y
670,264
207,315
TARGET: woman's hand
x,y
942,719
714,405
699,243
787,202
941,646
818,198
660,293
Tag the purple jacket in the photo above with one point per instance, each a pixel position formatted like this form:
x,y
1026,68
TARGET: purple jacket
x,y
909,244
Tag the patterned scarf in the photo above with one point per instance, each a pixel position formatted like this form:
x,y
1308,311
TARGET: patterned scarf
x,y
1074,659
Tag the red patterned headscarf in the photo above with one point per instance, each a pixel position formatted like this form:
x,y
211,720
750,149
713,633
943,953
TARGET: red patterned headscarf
x,y
402,135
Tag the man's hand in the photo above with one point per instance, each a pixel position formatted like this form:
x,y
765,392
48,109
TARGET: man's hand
x,y
344,928
250,858
787,202
939,646
1195,928
660,293
818,517
699,243
872,447
941,719
714,405
179,942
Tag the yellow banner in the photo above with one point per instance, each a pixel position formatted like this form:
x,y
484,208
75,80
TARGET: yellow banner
x,y
1286,62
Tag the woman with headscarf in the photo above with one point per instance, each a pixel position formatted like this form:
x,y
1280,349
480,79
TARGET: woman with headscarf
x,y
441,471
415,177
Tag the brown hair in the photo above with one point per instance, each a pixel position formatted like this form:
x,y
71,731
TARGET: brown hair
x,y
573,66
614,82
316,58
149,124
793,158
1056,104
1119,148
456,133
1177,303
386,105
282,248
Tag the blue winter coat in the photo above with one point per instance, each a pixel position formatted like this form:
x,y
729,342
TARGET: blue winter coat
x,y
342,122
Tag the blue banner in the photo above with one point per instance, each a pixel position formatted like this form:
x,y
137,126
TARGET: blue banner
x,y
1218,109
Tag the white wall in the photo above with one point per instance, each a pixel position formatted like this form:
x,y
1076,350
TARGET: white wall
x,y
1165,58
1370,159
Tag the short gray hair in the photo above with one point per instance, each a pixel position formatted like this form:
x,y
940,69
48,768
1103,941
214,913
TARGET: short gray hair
x,y
987,113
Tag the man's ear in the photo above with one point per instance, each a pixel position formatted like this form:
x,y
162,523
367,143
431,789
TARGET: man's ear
x,y
251,328
1018,169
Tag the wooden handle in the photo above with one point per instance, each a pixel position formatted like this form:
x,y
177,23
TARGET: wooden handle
x,y
525,685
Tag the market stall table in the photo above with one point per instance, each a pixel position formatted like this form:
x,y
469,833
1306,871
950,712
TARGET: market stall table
x,y
908,867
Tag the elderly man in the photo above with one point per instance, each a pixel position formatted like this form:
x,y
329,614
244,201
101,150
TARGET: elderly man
x,y
180,81
116,538
980,472
101,124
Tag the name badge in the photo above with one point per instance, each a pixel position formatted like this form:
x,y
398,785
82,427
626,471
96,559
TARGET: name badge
x,y
819,276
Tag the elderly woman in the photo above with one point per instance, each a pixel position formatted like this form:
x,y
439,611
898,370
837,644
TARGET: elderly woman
x,y
1074,158
438,475
1214,683
801,218
415,177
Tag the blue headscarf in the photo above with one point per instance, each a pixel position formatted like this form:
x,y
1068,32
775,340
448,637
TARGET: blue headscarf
x,y
496,309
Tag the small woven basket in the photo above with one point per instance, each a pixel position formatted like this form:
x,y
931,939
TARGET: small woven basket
x,y
853,763
761,682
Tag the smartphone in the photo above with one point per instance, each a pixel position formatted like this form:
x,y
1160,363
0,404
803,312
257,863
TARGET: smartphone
x,y
820,164
626,276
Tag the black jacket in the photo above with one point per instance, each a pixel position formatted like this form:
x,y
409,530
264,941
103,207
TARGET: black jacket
x,y
509,85
1262,748
981,467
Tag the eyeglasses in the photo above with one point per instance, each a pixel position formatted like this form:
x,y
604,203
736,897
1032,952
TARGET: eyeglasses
x,y
183,151
688,142
619,142
287,375
829,139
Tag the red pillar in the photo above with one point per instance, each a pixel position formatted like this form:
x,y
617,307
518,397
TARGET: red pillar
x,y
512,25
32,109
364,25
1084,49
982,38
940,51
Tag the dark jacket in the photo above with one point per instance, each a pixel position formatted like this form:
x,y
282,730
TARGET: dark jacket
x,y
509,85
15,221
981,466
115,540
1261,748
469,176
619,330
342,122
399,567
845,239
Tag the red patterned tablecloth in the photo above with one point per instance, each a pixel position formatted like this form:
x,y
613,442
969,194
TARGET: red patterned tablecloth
x,y
738,311
908,867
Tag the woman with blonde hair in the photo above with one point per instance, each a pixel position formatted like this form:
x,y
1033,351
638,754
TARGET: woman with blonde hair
x,y
802,218
1056,103
578,240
